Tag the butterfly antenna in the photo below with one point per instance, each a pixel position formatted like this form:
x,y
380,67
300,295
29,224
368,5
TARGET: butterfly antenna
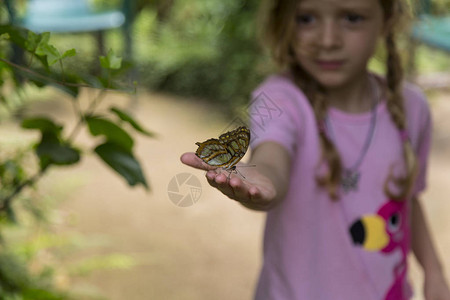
x,y
234,170
237,171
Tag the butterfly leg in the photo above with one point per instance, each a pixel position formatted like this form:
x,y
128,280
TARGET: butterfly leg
x,y
237,171
234,170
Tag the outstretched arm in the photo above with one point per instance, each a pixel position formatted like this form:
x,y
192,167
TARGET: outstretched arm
x,y
264,185
435,286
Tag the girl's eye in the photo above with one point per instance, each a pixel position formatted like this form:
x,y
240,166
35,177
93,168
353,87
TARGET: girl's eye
x,y
304,19
354,18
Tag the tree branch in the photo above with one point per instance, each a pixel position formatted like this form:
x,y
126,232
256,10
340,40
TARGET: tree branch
x,y
6,202
63,83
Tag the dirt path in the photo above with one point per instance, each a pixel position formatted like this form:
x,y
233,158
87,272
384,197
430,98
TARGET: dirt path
x,y
210,250
207,251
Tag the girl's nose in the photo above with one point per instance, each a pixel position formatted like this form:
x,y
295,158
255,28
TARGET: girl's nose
x,y
330,35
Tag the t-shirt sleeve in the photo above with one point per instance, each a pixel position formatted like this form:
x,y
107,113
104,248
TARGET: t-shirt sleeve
x,y
275,116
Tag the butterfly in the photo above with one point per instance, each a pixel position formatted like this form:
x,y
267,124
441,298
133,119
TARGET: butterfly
x,y
227,150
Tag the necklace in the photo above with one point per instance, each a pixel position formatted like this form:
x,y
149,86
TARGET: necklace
x,y
350,176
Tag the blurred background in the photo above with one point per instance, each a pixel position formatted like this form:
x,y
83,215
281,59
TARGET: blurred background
x,y
188,70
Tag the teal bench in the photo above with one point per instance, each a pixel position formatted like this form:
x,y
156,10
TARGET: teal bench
x,y
431,30
75,16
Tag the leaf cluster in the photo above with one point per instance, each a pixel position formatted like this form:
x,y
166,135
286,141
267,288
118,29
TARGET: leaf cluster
x,y
17,283
54,148
30,59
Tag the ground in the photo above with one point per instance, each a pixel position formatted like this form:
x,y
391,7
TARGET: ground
x,y
210,250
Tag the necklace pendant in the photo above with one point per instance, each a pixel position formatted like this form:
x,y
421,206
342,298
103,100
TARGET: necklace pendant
x,y
350,180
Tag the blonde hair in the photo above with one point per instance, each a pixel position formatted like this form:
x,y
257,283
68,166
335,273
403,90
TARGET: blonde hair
x,y
278,29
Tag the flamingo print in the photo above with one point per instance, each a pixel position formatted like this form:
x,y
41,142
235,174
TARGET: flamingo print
x,y
386,231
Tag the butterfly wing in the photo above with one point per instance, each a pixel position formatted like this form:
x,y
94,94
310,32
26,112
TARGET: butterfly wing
x,y
213,153
236,143
226,151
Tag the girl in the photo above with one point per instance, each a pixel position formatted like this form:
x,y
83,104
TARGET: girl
x,y
341,169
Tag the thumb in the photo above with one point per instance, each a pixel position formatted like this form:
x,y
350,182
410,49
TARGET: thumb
x,y
192,160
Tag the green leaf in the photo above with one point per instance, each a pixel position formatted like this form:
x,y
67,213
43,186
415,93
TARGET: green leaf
x,y
42,294
111,61
52,151
42,124
38,44
104,62
32,41
122,162
45,49
115,62
69,53
112,132
53,55
11,172
24,39
4,36
127,118
53,79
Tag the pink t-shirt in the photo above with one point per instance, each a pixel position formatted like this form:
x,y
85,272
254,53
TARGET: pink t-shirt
x,y
354,248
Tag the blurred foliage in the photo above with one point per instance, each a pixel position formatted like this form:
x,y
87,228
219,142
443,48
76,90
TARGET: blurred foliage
x,y
201,48
26,271
16,283
30,61
440,7
103,262
208,48
205,48
38,260
41,64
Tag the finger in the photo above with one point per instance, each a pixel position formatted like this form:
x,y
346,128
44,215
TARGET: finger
x,y
192,160
234,187
211,176
240,189
223,185
219,181
255,195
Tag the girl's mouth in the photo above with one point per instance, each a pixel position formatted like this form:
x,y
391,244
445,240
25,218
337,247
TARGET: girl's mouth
x,y
329,64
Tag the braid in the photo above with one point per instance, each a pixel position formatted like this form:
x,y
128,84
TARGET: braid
x,y
396,108
394,78
330,155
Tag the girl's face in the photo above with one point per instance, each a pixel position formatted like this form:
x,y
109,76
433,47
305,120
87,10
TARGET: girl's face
x,y
336,38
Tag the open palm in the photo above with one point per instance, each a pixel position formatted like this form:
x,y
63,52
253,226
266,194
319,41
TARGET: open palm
x,y
251,188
